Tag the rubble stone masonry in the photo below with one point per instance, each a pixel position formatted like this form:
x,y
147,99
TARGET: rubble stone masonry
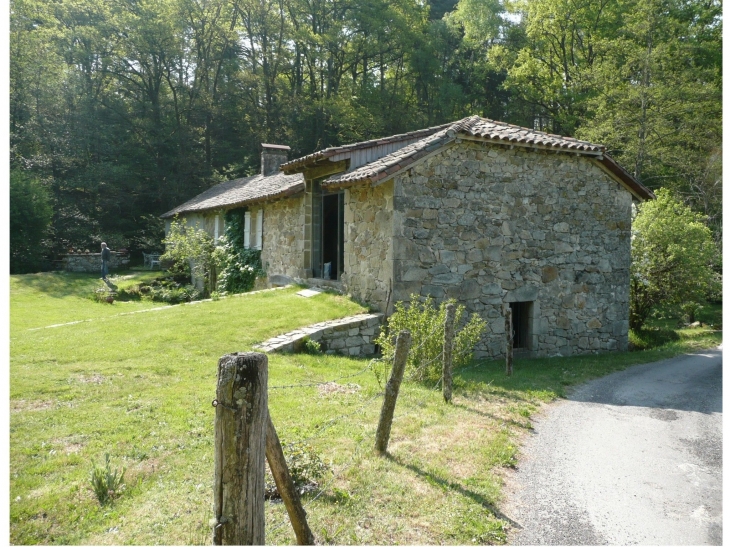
x,y
283,243
488,225
368,268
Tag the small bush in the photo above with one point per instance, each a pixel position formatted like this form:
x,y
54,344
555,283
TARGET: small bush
x,y
106,483
425,324
165,289
311,346
306,469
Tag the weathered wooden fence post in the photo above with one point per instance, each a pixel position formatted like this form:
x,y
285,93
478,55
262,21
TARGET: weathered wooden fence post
x,y
241,420
508,331
285,485
402,345
448,352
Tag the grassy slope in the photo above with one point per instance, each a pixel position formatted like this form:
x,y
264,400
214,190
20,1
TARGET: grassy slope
x,y
139,387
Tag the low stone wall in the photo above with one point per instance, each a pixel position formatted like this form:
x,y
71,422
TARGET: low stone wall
x,y
91,262
352,336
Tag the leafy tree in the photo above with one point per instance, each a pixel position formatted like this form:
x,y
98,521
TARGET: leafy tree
x,y
31,212
190,250
657,104
672,255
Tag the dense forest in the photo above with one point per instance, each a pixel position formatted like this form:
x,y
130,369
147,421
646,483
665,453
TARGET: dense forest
x,y
122,109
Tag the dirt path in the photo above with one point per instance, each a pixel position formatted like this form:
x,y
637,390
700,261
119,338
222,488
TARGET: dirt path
x,y
631,458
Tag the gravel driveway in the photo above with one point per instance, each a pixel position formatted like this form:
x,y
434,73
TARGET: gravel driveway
x,y
631,458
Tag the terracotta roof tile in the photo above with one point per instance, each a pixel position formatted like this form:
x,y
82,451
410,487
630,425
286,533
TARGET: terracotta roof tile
x,y
475,126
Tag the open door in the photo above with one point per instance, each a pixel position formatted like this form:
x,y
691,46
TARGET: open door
x,y
328,227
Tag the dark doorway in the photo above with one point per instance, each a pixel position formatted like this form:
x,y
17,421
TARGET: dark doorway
x,y
521,324
332,236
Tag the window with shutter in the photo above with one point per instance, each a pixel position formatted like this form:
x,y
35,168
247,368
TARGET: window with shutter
x,y
259,229
247,230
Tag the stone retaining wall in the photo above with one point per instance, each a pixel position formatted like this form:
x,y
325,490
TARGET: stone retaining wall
x,y
353,336
91,262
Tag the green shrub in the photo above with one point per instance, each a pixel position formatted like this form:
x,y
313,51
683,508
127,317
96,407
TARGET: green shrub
x,y
165,289
311,346
106,483
238,266
305,466
425,324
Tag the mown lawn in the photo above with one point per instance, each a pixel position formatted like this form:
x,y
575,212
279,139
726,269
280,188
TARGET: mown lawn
x,y
139,387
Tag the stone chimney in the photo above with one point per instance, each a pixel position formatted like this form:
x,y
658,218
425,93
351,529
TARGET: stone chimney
x,y
272,156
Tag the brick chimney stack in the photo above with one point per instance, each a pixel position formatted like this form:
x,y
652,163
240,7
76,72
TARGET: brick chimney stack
x,y
272,156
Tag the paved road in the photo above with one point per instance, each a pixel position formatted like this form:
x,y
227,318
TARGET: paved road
x,y
631,458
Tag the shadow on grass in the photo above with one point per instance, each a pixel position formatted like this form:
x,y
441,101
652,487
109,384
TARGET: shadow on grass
x,y
492,416
446,484
58,284
652,337
109,284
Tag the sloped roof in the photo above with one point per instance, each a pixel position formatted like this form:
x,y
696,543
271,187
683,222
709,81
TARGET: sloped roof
x,y
315,157
482,129
243,191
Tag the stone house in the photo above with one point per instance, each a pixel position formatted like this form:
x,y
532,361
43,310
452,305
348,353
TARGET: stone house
x,y
488,213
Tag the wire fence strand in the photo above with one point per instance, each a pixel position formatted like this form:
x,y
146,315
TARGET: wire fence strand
x,y
315,384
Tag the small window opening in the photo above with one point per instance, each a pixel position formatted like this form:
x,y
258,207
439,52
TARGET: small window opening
x,y
521,324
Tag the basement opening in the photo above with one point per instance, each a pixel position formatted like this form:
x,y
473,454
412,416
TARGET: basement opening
x,y
521,335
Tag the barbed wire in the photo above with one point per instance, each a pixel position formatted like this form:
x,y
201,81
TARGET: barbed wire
x,y
358,448
333,421
335,475
347,376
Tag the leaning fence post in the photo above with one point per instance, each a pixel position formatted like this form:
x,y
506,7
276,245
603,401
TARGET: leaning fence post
x,y
448,352
240,446
508,331
402,345
285,486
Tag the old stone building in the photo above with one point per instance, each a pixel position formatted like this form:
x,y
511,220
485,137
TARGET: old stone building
x,y
488,213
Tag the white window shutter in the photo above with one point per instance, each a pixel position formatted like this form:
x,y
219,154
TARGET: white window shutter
x,y
259,229
215,230
247,230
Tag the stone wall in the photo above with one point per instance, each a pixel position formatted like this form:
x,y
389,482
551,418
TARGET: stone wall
x,y
368,259
91,262
351,336
283,244
489,225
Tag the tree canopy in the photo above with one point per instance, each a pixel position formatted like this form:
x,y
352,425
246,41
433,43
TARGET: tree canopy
x,y
125,109
673,255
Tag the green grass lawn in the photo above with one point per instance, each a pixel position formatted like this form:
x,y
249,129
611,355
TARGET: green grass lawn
x,y
139,387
